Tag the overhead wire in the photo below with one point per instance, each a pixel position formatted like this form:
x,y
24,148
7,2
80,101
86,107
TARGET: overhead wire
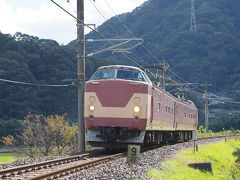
x,y
100,34
130,32
140,41
36,84
98,10
118,50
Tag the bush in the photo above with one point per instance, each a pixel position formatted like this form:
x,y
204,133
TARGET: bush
x,y
45,135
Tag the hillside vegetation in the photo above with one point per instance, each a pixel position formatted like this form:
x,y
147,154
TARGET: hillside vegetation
x,y
210,55
29,59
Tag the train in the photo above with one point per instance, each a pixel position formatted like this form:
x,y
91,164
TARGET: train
x,y
123,106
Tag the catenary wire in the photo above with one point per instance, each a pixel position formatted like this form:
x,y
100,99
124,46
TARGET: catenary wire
x,y
130,32
117,50
35,84
100,34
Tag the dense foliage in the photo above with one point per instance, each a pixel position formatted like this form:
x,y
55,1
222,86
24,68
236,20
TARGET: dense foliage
x,y
210,55
226,122
29,59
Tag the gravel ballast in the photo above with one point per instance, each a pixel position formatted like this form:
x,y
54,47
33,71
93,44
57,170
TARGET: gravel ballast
x,y
118,168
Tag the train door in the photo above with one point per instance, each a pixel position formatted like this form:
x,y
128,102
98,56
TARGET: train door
x,y
152,106
174,115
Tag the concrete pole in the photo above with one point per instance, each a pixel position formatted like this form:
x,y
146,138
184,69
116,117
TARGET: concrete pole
x,y
81,75
206,106
161,72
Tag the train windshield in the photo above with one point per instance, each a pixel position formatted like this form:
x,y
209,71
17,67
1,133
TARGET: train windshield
x,y
105,74
118,74
130,75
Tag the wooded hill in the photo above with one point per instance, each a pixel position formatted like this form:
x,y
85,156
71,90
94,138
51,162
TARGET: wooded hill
x,y
211,55
29,59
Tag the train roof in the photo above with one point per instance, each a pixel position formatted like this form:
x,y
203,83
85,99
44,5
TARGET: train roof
x,y
120,67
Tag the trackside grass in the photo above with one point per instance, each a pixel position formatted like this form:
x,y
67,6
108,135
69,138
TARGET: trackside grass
x,y
6,158
220,155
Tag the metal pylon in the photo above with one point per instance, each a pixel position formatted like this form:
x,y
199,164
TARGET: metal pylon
x,y
193,25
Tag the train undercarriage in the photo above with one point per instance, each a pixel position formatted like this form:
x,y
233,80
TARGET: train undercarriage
x,y
113,137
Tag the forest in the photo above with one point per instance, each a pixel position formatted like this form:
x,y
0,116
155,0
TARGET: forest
x,y
209,55
25,58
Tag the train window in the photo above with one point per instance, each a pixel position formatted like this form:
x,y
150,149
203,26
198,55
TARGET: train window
x,y
105,74
166,109
185,114
159,102
130,75
169,110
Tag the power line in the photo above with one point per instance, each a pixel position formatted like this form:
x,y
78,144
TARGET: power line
x,y
184,80
98,10
35,84
130,32
118,50
101,35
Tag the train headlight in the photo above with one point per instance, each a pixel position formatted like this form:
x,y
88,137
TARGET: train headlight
x,y
91,108
136,109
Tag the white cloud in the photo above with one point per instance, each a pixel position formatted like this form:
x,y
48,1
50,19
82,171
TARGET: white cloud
x,y
48,21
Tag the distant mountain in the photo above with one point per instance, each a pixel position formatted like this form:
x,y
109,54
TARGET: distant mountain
x,y
210,55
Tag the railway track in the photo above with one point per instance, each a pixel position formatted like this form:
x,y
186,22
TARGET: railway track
x,y
56,169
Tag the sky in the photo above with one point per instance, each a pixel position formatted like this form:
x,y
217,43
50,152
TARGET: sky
x,y
44,19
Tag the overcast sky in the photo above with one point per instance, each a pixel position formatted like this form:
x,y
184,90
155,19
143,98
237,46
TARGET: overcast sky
x,y
44,19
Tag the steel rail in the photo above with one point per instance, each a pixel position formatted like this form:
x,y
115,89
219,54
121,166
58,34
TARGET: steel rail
x,y
66,171
213,137
32,167
74,168
71,169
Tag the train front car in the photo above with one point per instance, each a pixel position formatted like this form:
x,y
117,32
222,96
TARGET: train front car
x,y
117,106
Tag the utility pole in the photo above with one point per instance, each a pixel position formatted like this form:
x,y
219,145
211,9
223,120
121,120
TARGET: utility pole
x,y
161,72
206,105
193,25
81,75
160,77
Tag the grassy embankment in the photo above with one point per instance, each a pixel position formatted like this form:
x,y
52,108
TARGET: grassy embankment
x,y
220,155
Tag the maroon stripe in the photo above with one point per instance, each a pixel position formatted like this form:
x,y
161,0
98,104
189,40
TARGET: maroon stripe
x,y
129,123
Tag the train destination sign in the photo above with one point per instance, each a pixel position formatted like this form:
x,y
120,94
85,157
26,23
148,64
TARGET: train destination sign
x,y
133,154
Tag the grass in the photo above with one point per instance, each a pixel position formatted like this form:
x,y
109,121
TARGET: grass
x,y
6,158
220,155
8,154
